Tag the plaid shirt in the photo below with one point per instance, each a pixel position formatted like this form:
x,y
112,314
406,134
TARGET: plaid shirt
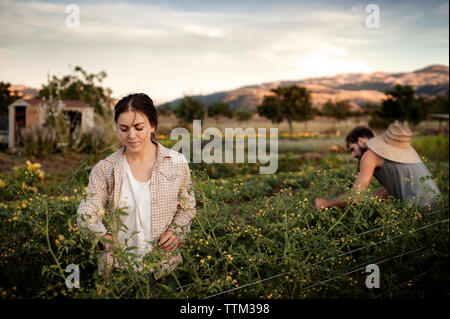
x,y
171,193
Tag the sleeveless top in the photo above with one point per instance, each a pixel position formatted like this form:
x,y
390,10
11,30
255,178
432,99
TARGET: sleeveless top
x,y
411,182
135,200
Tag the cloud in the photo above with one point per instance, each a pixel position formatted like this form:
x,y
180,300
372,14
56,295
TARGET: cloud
x,y
170,47
202,31
320,64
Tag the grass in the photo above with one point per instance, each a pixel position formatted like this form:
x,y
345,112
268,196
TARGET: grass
x,y
432,147
319,124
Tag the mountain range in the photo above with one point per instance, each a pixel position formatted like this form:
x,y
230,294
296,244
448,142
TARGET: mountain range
x,y
359,88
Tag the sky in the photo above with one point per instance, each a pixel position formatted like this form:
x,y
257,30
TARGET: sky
x,y
168,49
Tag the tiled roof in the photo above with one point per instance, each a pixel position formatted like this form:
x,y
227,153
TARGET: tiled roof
x,y
69,103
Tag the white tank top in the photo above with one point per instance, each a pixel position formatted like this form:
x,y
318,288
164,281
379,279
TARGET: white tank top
x,y
135,200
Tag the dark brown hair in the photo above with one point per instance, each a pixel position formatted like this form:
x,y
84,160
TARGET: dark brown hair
x,y
138,102
357,132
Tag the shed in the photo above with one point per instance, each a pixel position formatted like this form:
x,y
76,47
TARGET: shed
x,y
29,112
439,117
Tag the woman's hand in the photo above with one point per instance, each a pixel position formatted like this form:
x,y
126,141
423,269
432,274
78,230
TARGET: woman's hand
x,y
168,241
108,245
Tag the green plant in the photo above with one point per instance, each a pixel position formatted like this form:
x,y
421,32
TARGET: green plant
x,y
291,103
433,147
254,236
219,108
189,109
91,140
39,141
242,115
57,119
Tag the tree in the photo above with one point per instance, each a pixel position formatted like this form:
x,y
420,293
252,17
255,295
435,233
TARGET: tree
x,y
339,110
219,108
80,86
6,97
402,105
165,109
291,103
438,104
242,115
190,109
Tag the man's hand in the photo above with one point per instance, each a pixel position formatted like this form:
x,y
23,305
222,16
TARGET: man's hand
x,y
369,161
320,202
168,241
380,193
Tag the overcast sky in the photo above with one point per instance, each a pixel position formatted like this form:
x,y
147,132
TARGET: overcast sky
x,y
170,48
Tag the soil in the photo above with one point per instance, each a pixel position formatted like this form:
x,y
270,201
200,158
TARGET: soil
x,y
56,164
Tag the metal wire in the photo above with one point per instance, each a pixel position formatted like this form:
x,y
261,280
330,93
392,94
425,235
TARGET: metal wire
x,y
361,268
372,230
386,240
414,278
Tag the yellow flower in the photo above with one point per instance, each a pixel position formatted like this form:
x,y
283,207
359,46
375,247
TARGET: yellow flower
x,y
209,257
202,261
61,237
2,184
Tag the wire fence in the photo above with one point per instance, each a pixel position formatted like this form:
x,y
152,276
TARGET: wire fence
x,y
340,255
319,283
361,268
408,281
322,261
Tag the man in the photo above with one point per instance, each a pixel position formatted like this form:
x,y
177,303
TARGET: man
x,y
356,141
394,163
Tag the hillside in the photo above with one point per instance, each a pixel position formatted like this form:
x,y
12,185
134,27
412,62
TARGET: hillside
x,y
359,88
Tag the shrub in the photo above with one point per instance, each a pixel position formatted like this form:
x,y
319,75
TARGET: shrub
x,y
242,115
378,122
39,141
432,147
90,141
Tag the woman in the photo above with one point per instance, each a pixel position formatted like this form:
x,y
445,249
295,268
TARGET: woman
x,y
148,181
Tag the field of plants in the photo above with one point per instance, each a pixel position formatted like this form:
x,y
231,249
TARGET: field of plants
x,y
254,236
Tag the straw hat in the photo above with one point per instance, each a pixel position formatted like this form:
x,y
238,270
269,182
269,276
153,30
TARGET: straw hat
x,y
395,145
